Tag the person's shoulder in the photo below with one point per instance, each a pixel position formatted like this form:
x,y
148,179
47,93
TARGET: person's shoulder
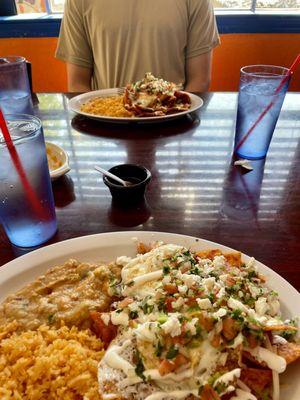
x,y
75,4
197,4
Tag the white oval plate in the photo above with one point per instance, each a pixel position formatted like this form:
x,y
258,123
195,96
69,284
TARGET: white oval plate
x,y
76,102
108,246
62,156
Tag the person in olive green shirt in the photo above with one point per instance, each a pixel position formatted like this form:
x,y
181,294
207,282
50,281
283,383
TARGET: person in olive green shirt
x,y
109,43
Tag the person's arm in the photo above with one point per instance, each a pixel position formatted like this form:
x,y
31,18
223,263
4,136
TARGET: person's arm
x,y
198,73
74,47
79,78
202,37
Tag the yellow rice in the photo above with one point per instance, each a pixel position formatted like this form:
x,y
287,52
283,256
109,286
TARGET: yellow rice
x,y
52,364
106,106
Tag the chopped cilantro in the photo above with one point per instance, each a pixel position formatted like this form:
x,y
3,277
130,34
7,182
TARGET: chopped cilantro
x,y
249,301
139,366
147,308
174,258
133,314
233,289
182,318
161,305
159,349
193,309
252,274
220,387
166,269
195,271
213,378
172,352
198,331
288,334
237,315
211,297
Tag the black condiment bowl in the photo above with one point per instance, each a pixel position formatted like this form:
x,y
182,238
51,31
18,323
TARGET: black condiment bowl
x,y
139,175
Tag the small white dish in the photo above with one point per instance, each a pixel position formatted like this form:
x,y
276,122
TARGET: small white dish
x,y
58,160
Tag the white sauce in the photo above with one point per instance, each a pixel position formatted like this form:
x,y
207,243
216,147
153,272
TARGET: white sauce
x,y
114,360
155,375
146,331
279,340
242,395
119,318
105,318
176,394
109,396
228,377
237,341
141,280
272,360
208,359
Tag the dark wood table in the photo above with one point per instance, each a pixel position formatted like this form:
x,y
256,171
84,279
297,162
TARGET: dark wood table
x,y
195,190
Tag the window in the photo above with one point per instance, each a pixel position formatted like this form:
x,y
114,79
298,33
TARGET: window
x,y
31,6
57,6
257,5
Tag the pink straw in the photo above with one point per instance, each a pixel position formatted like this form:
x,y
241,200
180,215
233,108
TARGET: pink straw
x,y
270,105
19,167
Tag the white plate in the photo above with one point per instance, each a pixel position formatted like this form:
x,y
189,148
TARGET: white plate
x,y
76,102
107,246
60,155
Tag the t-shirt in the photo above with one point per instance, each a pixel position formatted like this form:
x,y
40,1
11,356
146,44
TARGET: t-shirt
x,y
121,40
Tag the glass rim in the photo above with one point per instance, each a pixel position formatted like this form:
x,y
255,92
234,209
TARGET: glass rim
x,y
8,118
16,60
261,74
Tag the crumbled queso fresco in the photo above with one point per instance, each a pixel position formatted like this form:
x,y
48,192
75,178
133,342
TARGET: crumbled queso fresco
x,y
154,85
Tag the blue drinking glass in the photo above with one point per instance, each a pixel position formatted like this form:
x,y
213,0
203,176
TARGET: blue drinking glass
x,y
258,88
15,94
24,226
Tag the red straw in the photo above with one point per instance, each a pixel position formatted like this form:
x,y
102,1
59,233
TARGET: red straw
x,y
270,105
19,167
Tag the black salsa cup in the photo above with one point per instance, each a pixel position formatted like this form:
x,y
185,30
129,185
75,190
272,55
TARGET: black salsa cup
x,y
138,175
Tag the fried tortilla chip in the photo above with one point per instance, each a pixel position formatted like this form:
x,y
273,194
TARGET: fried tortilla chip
x,y
208,393
289,351
249,357
279,328
257,379
234,259
209,254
